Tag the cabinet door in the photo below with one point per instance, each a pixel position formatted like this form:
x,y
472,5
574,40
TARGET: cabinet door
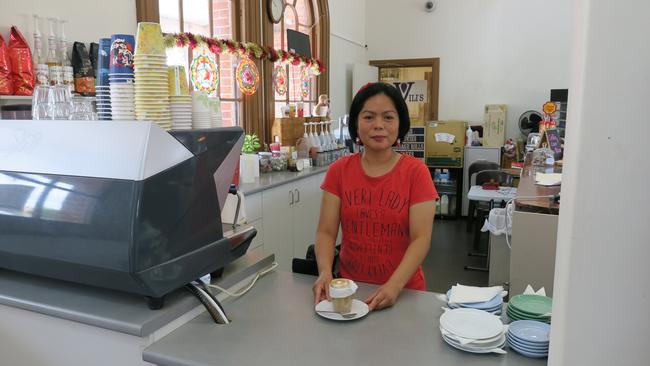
x,y
306,212
277,223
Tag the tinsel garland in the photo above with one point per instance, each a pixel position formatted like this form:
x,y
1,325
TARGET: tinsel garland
x,y
243,49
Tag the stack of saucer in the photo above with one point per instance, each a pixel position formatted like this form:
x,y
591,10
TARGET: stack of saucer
x,y
529,338
492,306
102,86
530,307
120,77
473,330
180,99
151,80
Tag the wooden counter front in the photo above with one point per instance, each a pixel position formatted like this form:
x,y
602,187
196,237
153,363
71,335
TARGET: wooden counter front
x,y
528,188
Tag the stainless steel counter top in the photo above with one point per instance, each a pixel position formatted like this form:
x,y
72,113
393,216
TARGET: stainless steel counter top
x,y
113,310
275,324
274,179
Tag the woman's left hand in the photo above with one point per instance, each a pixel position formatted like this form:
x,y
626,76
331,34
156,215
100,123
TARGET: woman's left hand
x,y
385,296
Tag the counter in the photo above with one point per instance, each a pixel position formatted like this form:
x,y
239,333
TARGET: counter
x,y
534,232
56,323
275,324
274,179
528,188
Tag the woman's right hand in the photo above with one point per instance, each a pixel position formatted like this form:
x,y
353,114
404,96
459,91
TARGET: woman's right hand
x,y
322,287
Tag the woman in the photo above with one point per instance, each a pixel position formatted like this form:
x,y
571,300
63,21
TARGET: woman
x,y
383,201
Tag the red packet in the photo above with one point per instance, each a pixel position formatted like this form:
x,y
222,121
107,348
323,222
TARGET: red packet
x,y
22,72
6,85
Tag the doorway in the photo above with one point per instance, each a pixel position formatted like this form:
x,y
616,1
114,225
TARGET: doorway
x,y
423,73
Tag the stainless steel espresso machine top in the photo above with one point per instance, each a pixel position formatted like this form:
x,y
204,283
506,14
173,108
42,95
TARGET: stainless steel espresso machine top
x,y
121,205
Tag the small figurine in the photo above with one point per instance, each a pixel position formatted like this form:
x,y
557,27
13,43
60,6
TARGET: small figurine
x,y
322,108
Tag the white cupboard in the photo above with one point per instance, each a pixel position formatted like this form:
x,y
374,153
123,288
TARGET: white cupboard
x,y
286,218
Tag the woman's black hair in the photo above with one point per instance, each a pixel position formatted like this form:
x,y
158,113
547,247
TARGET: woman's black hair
x,y
370,90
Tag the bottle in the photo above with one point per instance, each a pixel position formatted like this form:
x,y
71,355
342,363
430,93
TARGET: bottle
x,y
468,136
276,146
444,205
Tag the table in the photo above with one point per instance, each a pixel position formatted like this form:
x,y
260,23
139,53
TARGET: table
x,y
477,193
503,194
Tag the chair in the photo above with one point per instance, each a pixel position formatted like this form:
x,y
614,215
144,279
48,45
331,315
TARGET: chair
x,y
474,168
504,179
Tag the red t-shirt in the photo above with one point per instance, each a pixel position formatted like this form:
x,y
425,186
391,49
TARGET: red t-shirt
x,y
375,216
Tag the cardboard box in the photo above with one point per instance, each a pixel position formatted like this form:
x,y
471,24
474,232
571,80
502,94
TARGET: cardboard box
x,y
494,125
444,143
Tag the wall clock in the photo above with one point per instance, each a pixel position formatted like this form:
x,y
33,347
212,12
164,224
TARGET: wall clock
x,y
276,10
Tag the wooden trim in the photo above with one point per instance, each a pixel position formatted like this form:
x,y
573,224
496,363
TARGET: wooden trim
x,y
254,111
147,11
323,36
434,85
267,76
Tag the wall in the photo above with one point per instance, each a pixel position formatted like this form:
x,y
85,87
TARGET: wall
x,y
602,294
498,51
347,20
87,20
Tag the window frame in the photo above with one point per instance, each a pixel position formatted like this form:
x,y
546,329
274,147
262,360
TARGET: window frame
x,y
150,8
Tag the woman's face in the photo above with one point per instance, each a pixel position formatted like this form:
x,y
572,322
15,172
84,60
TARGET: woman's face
x,y
378,123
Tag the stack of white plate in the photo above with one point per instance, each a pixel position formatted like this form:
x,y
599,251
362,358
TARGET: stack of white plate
x,y
181,111
492,306
103,95
152,90
473,330
122,96
529,338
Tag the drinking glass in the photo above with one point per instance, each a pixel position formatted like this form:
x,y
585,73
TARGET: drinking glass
x,y
62,102
43,102
82,109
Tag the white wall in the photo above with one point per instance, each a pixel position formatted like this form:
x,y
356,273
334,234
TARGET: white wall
x,y
88,20
347,20
491,51
601,309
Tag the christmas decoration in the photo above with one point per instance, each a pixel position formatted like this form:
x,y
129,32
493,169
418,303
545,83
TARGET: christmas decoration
x,y
243,49
204,74
280,80
248,77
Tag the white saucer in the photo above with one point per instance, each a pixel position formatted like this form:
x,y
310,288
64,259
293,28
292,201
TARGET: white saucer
x,y
358,307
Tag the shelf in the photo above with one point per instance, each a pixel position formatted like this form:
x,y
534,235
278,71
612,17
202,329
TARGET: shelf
x,y
16,97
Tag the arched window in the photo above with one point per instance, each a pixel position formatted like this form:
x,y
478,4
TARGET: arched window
x,y
213,18
301,16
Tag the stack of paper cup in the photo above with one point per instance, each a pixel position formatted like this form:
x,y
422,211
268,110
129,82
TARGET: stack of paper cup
x,y
215,112
102,87
120,77
180,98
201,111
151,78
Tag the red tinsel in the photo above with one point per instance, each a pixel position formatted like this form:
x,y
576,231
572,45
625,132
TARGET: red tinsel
x,y
192,41
213,46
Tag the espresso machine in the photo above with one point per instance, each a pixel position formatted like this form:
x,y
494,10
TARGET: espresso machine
x,y
117,204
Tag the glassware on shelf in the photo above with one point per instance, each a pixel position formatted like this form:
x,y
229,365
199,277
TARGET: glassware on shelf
x,y
315,141
62,102
82,109
43,103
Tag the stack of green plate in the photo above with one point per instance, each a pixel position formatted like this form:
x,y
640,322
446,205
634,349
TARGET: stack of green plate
x,y
530,307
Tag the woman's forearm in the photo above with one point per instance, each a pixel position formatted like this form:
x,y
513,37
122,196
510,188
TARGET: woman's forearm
x,y
324,250
415,254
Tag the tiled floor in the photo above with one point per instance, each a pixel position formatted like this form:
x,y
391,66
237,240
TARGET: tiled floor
x,y
443,266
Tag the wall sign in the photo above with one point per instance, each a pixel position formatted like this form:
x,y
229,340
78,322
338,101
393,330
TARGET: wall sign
x,y
412,90
413,143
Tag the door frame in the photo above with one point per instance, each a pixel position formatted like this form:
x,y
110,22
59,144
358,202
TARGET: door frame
x,y
434,83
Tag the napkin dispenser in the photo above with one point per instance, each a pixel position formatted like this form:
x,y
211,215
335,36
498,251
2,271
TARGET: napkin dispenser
x,y
119,205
